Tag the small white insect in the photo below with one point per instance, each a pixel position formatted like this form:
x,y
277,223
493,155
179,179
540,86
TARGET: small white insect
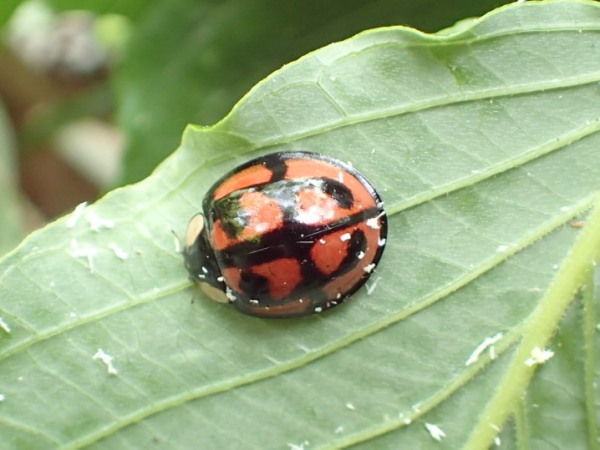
x,y
487,342
76,215
436,432
97,223
373,222
230,295
538,356
118,251
80,252
372,286
369,268
107,360
4,326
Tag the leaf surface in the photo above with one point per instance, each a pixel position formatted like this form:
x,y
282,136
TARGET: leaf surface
x,y
484,146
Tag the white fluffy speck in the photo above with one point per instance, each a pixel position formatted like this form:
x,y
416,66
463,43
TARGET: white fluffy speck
x,y
350,406
339,429
369,268
318,309
538,356
97,223
4,326
381,242
372,286
81,252
487,342
261,227
118,251
322,241
497,441
76,215
360,255
373,222
2,397
323,210
502,248
345,237
301,446
253,301
436,432
230,295
204,270
220,279
107,360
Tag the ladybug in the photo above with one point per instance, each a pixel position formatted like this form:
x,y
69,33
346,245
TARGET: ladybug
x,y
286,234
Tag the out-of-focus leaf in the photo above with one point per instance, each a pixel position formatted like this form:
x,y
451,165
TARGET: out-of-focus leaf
x,y
10,212
190,61
484,146
130,8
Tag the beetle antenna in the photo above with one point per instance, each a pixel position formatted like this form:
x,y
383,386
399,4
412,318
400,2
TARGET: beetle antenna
x,y
178,244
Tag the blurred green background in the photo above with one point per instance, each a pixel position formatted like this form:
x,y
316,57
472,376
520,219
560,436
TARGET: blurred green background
x,y
96,98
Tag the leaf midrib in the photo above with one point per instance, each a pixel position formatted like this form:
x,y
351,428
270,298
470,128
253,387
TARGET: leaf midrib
x,y
436,102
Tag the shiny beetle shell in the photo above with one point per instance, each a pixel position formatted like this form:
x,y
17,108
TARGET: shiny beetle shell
x,y
286,234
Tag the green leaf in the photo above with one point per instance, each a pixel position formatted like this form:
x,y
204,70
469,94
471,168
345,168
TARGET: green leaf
x,y
484,146
191,60
10,211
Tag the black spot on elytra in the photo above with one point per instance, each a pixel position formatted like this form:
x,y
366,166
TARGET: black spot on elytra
x,y
254,286
356,244
276,165
339,192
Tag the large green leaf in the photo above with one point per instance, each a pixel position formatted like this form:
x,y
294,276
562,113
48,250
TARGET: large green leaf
x,y
484,145
10,211
190,61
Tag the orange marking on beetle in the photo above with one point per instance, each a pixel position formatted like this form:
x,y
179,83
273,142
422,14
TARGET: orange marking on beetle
x,y
232,277
316,207
345,282
303,168
282,274
265,215
220,239
329,254
246,178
